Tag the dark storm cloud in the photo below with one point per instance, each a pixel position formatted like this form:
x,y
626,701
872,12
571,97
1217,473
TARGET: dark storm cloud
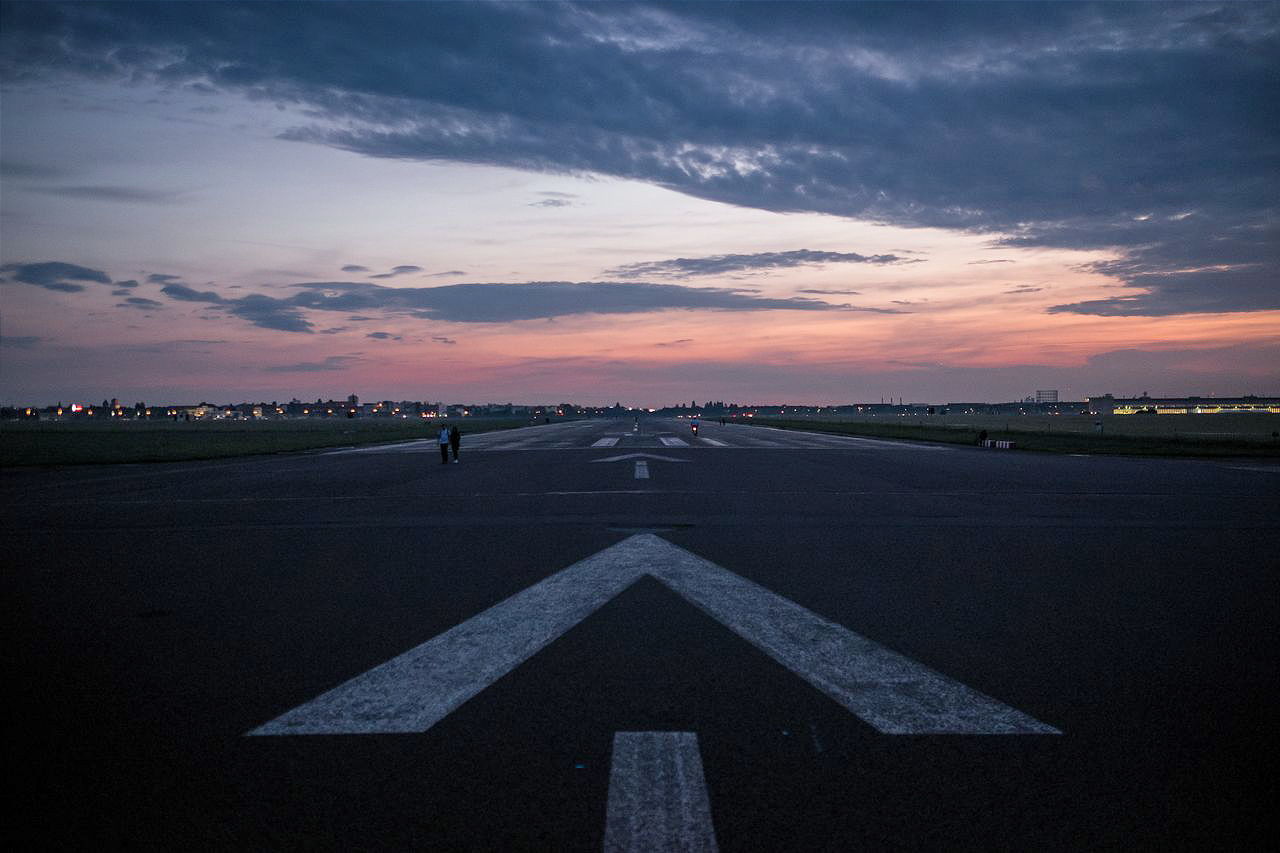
x,y
384,336
719,264
403,269
131,282
1091,126
354,268
108,193
55,275
162,278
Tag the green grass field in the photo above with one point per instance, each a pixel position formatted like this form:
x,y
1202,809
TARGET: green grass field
x,y
81,443
1139,435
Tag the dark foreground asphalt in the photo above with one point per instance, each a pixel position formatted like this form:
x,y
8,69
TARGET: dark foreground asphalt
x,y
158,613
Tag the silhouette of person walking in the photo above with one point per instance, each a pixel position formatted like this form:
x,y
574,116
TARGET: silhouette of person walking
x,y
455,439
443,439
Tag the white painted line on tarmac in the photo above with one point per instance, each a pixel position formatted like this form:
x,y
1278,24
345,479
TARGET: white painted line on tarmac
x,y
657,795
672,441
839,439
642,470
398,447
889,691
714,443
1273,469
605,442
414,691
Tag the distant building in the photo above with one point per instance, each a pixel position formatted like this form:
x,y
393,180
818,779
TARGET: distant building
x,y
1049,396
1144,405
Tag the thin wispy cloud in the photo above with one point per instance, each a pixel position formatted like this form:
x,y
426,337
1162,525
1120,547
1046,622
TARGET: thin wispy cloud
x,y
332,363
141,303
187,294
403,269
721,264
129,195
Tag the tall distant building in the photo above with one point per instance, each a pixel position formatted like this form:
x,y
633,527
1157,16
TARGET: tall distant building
x,y
354,400
1049,396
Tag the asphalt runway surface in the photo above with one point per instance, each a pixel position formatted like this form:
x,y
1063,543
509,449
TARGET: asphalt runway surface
x,y
767,640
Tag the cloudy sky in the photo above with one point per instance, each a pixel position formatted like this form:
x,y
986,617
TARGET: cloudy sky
x,y
799,202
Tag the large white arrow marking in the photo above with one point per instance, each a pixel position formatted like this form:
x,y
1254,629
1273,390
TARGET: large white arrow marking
x,y
414,691
626,456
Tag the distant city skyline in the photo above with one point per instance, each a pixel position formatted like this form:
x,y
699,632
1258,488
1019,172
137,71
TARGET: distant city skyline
x,y
808,203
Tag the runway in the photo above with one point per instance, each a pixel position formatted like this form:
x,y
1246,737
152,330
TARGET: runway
x,y
855,643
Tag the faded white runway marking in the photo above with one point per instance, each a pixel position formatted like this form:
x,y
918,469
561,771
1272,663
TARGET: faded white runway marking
x,y
414,691
657,795
834,440
642,470
715,443
605,442
626,456
672,441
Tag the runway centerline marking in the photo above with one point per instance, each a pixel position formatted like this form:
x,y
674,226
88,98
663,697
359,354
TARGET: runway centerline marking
x,y
642,470
609,441
415,690
657,795
715,443
672,441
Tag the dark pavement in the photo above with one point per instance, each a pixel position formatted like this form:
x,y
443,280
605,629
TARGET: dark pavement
x,y
160,612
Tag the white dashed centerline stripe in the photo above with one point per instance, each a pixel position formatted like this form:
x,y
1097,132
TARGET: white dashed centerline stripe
x,y
414,691
605,442
657,795
642,470
672,441
714,443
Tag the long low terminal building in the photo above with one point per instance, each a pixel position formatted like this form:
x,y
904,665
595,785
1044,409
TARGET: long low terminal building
x,y
1109,405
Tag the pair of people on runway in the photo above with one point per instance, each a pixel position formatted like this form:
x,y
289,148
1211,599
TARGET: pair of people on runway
x,y
450,438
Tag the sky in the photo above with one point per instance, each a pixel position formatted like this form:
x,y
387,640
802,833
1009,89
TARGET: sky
x,y
812,203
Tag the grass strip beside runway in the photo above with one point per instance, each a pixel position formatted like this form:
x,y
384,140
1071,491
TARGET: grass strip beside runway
x,y
25,444
1134,443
